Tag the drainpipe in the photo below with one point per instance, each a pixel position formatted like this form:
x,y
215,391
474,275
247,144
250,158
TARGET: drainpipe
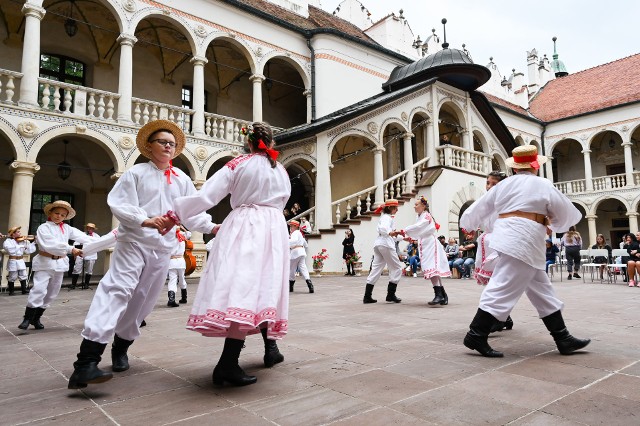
x,y
313,77
544,130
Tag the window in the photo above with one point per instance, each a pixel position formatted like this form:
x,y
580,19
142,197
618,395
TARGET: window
x,y
38,201
187,102
61,68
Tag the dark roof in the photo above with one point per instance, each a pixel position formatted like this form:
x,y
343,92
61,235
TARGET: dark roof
x,y
451,66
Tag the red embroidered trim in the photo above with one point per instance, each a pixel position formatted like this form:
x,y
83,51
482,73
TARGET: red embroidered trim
x,y
216,323
238,160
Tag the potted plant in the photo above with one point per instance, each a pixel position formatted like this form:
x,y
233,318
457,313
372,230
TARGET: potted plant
x,y
318,261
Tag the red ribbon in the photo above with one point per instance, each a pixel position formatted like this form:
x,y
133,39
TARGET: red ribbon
x,y
61,225
179,235
533,159
170,172
270,152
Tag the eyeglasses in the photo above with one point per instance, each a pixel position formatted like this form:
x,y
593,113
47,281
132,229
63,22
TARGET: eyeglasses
x,y
164,142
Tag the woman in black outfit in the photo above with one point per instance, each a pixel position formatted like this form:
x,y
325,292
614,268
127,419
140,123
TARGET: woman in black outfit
x,y
602,260
633,260
348,250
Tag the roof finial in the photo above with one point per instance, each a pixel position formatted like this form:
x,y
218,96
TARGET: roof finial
x,y
555,54
445,45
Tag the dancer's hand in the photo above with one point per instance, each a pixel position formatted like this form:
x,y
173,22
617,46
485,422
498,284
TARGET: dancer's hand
x,y
215,229
76,252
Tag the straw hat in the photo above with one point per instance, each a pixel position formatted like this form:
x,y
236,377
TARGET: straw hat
x,y
142,140
525,157
63,204
294,223
91,225
389,203
14,229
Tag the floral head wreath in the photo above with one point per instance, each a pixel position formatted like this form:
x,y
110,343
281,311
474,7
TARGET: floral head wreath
x,y
423,200
248,132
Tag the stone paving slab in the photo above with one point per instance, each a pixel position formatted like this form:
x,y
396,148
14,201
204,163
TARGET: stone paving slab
x,y
346,363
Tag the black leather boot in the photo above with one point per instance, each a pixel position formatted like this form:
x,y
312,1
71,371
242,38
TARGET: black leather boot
x,y
291,283
348,269
172,300
500,325
439,298
391,293
87,279
228,369
35,321
478,333
272,354
367,294
566,343
119,357
86,367
11,287
183,294
28,316
143,324
23,287
74,281
310,285
444,296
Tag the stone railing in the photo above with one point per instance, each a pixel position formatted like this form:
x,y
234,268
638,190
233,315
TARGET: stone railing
x,y
225,128
145,111
601,183
8,85
571,186
604,183
462,159
345,206
404,181
311,215
78,100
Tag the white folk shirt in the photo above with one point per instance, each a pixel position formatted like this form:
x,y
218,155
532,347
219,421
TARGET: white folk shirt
x,y
93,236
519,237
143,192
296,239
55,240
178,263
14,248
386,224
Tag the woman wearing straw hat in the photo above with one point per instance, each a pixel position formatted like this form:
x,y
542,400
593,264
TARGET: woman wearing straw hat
x,y
298,256
85,262
525,204
16,246
384,254
51,262
140,261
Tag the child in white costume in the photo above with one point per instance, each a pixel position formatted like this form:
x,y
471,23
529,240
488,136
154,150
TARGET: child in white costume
x,y
384,254
522,203
298,256
51,262
85,262
243,289
433,259
16,246
177,266
140,261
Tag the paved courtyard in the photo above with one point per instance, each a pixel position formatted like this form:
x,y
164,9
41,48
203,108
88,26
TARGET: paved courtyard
x,y
345,364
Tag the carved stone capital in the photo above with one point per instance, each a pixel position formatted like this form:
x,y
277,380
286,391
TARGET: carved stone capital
x,y
127,39
24,168
198,61
30,9
257,78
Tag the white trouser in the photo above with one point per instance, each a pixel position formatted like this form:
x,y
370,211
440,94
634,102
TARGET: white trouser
x,y
385,256
88,266
512,277
300,264
46,286
19,274
176,276
127,293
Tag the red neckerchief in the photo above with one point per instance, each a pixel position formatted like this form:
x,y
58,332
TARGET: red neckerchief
x,y
61,224
179,235
170,172
270,152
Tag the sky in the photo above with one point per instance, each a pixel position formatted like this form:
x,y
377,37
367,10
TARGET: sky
x,y
590,32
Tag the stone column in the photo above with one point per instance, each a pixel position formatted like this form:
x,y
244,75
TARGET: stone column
x,y
125,77
324,216
307,93
408,161
257,80
549,168
633,222
593,232
587,169
431,141
378,175
628,163
31,55
197,125
20,204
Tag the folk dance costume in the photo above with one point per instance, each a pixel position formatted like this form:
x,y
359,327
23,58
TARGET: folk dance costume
x,y
384,254
298,256
140,261
85,262
50,264
521,203
433,259
16,267
177,266
243,289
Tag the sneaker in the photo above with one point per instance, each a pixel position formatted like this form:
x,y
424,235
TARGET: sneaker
x,y
415,275
575,275
408,268
570,277
632,283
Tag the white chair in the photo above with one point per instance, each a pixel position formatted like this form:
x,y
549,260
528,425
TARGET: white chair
x,y
615,253
556,266
591,266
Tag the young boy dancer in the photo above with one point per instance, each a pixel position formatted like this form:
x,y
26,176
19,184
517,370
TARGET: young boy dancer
x,y
16,246
140,261
298,256
85,262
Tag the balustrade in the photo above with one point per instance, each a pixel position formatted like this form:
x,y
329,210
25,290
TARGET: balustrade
x,y
460,158
8,85
225,128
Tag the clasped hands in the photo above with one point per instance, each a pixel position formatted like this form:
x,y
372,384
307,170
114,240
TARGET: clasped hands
x,y
166,222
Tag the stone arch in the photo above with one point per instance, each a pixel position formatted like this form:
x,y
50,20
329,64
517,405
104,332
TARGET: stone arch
x,y
391,121
191,161
419,110
237,42
477,133
450,103
292,158
178,21
466,194
634,128
499,161
114,151
601,132
208,164
16,140
519,140
351,132
117,11
295,64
